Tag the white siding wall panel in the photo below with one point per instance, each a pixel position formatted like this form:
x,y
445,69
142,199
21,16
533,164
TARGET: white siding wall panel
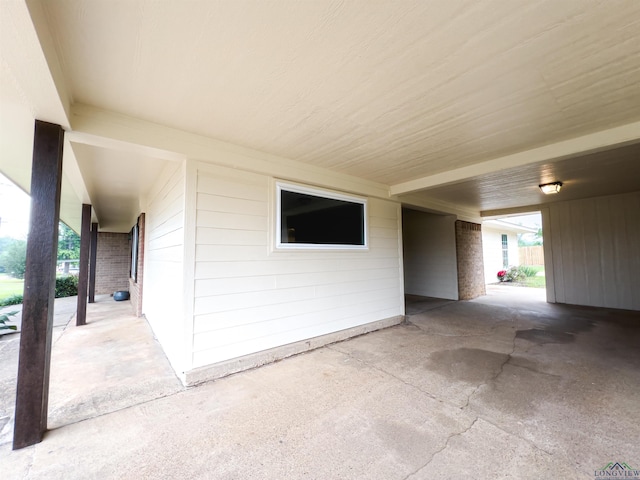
x,y
345,305
164,253
221,236
492,252
249,297
512,244
231,221
230,269
249,345
430,255
167,240
239,333
215,203
596,251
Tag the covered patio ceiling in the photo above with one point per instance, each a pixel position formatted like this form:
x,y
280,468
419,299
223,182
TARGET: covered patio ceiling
x,y
458,103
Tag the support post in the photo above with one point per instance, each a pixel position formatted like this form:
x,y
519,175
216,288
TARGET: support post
x,y
32,394
92,262
83,274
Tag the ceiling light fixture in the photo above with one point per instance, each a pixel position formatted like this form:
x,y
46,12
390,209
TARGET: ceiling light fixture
x,y
549,188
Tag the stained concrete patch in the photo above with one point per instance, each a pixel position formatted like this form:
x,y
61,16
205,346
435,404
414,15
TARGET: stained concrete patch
x,y
569,323
405,353
560,328
540,336
471,365
416,304
463,319
515,393
526,362
436,354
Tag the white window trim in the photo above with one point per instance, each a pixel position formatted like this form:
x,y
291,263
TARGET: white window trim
x,y
323,194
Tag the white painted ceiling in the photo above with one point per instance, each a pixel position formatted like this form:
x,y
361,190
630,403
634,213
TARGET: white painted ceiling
x,y
596,174
118,181
383,90
387,91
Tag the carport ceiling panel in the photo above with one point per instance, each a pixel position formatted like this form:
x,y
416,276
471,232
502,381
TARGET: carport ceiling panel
x,y
603,173
117,181
387,91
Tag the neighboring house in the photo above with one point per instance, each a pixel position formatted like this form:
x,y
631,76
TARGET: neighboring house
x,y
272,179
500,246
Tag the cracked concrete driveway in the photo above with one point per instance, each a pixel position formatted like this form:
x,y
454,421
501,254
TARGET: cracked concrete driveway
x,y
484,389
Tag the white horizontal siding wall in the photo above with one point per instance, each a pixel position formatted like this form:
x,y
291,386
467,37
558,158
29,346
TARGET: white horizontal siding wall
x,y
250,298
492,252
163,299
512,245
430,254
595,250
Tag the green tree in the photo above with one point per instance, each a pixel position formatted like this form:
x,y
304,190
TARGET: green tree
x,y
530,239
68,243
14,257
13,252
4,243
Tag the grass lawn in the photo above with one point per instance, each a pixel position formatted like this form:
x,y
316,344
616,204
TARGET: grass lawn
x,y
10,286
537,268
535,282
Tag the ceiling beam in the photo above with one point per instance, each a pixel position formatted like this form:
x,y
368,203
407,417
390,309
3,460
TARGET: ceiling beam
x,y
594,142
505,212
33,87
98,127
30,62
439,207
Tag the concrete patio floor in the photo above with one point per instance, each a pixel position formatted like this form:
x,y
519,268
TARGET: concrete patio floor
x,y
499,387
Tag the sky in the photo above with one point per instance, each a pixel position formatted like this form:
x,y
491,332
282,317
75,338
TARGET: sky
x,y
530,220
15,207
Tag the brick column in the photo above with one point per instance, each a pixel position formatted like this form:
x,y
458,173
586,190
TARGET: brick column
x,y
470,262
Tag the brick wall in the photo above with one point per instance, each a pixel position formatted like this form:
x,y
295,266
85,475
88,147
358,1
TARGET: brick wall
x,y
135,286
112,262
470,263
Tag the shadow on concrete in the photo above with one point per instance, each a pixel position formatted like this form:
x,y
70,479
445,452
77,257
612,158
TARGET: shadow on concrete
x,y
415,304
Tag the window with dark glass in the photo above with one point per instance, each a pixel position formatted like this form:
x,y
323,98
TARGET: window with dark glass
x,y
134,252
311,218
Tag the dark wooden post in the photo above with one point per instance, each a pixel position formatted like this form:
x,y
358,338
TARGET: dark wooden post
x,y
32,395
92,262
83,274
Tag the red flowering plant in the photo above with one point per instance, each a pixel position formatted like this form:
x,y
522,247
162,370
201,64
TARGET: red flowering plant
x,y
511,274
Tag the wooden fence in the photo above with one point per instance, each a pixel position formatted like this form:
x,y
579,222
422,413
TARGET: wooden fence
x,y
531,255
